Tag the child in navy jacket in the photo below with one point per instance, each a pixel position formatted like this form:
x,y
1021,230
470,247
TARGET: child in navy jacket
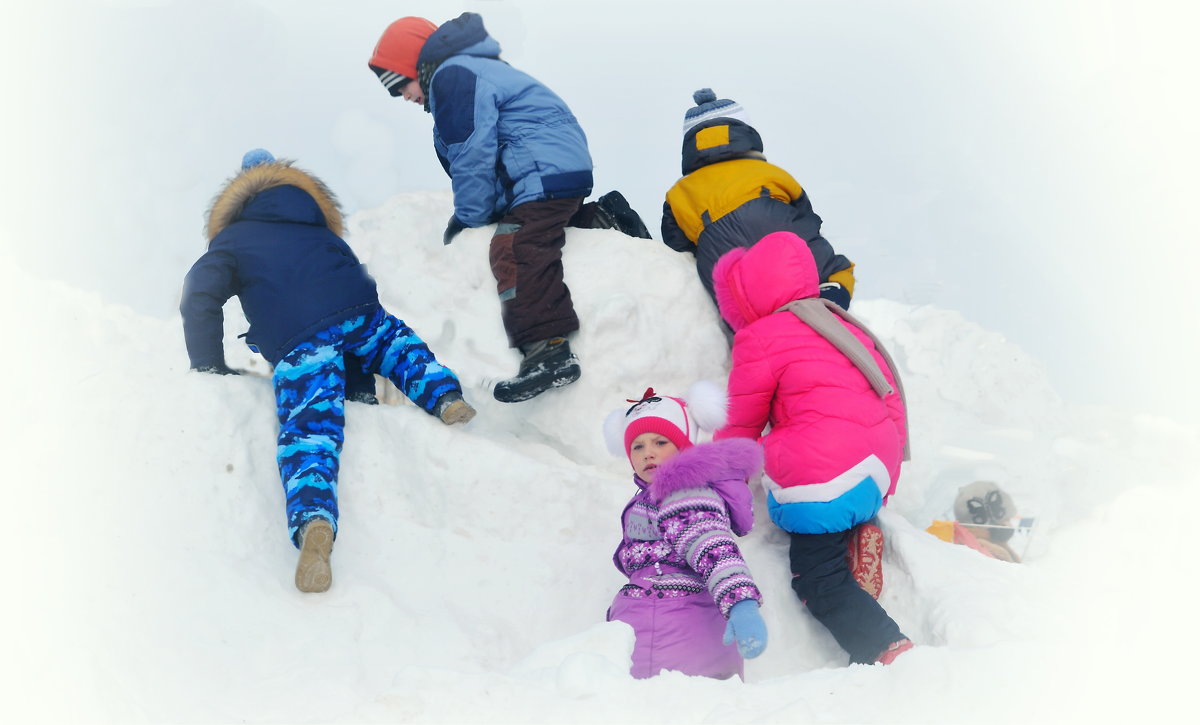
x,y
275,243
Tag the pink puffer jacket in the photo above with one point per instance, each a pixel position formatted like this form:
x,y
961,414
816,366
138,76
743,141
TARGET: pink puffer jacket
x,y
835,446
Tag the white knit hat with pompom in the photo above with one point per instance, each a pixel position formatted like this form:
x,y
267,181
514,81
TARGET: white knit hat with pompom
x,y
680,420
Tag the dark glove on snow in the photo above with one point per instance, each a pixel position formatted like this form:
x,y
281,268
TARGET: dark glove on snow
x,y
453,227
747,627
221,369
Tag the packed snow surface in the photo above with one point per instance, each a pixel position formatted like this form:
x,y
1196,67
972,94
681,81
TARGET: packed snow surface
x,y
151,574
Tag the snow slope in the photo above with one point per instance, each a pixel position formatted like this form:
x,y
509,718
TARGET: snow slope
x,y
151,577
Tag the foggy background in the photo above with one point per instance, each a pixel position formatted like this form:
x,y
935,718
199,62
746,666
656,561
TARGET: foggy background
x,y
1028,164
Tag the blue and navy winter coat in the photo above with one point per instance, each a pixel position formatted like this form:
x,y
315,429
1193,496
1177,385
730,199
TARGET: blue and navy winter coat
x,y
276,244
504,138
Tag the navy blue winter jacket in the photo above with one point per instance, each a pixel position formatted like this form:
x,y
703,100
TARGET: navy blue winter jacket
x,y
276,245
504,138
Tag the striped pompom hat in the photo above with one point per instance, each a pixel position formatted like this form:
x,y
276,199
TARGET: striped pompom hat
x,y
708,107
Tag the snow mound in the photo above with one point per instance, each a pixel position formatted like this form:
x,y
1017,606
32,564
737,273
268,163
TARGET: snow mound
x,y
472,570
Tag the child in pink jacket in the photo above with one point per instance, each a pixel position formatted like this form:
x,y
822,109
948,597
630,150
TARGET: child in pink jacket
x,y
690,595
838,430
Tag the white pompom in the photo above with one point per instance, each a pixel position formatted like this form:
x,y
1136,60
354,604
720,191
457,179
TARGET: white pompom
x,y
706,405
614,433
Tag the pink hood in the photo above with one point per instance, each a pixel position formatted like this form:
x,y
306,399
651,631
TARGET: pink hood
x,y
755,282
829,427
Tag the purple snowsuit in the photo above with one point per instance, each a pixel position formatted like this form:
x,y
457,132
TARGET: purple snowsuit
x,y
685,570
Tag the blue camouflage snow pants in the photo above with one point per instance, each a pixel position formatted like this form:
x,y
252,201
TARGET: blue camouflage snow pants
x,y
310,387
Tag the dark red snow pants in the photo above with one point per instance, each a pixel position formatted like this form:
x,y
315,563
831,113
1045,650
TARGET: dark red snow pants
x,y
526,258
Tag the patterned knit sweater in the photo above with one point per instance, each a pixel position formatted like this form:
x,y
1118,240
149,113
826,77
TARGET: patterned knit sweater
x,y
679,531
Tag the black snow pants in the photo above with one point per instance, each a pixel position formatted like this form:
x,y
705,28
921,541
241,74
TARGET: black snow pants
x,y
823,581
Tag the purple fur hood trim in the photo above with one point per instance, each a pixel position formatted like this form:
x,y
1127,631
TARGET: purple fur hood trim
x,y
706,463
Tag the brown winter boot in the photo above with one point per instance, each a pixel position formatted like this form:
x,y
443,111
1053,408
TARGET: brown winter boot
x,y
452,409
316,543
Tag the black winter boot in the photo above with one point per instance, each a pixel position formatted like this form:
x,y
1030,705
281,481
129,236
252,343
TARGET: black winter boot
x,y
547,364
613,212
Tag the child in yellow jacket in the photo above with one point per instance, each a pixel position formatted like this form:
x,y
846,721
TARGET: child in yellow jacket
x,y
731,196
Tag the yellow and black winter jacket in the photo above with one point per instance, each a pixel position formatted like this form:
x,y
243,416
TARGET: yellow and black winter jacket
x,y
730,196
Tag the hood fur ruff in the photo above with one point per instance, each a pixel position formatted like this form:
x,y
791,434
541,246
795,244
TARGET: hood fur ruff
x,y
231,200
701,464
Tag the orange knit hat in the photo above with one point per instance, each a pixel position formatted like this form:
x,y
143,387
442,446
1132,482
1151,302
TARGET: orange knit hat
x,y
400,44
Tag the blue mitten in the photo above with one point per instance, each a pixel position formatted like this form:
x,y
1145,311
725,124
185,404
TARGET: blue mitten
x,y
746,626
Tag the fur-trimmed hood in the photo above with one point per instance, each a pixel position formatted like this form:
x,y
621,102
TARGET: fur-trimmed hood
x,y
230,203
705,464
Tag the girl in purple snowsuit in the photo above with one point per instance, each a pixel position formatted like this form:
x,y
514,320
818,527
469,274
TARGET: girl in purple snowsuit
x,y
690,594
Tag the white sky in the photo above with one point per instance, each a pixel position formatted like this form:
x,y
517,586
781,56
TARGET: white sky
x,y
1030,164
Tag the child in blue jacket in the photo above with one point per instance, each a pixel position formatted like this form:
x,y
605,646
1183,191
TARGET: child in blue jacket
x,y
275,242
516,157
